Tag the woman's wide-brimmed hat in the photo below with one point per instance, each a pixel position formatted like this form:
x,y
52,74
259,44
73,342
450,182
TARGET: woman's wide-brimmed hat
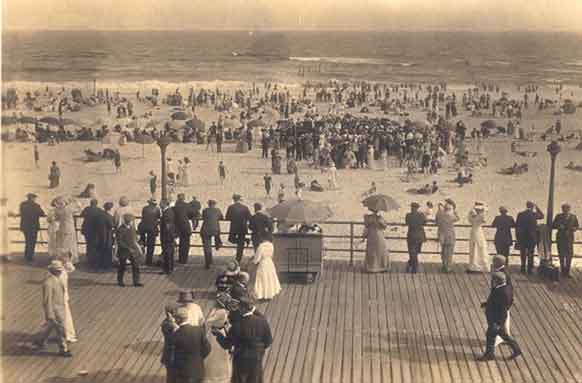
x,y
232,268
480,205
185,296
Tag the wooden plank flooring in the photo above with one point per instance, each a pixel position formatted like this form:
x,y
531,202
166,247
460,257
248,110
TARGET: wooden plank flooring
x,y
346,327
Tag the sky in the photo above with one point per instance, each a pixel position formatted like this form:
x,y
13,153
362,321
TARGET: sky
x,y
543,15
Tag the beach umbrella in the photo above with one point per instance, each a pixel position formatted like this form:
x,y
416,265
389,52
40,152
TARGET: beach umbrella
x,y
144,139
418,124
9,120
271,113
182,116
301,211
382,202
489,124
256,124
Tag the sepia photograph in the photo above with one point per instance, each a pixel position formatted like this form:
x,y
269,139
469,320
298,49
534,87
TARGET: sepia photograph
x,y
291,191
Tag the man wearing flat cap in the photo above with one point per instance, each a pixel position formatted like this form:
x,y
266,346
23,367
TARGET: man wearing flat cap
x,y
496,308
239,216
30,212
415,236
566,223
128,249
53,296
526,230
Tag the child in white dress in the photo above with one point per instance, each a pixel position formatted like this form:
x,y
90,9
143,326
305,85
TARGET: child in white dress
x,y
267,284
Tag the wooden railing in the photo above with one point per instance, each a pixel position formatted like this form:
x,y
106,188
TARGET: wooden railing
x,y
343,237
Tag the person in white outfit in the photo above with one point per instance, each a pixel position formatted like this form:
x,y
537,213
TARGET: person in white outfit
x,y
65,257
195,314
478,256
267,284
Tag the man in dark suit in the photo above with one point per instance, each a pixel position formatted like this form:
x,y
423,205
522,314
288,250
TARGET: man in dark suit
x,y
196,208
211,217
526,229
249,335
239,216
128,250
30,212
415,220
261,226
149,228
566,223
167,236
90,216
503,238
184,213
496,308
191,347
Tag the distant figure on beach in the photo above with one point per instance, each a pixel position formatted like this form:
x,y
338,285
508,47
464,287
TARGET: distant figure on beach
x,y
36,156
153,182
281,194
268,184
117,161
54,176
186,169
222,172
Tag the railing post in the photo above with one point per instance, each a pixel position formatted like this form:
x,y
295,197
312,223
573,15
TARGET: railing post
x,y
351,243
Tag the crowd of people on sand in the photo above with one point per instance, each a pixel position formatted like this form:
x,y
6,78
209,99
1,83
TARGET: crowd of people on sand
x,y
229,344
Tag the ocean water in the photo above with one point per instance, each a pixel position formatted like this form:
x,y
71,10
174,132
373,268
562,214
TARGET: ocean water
x,y
457,57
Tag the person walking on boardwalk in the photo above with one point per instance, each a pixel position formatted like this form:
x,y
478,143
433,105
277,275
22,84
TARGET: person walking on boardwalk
x,y
239,216
167,236
149,228
478,256
503,238
191,347
54,176
249,337
54,301
526,230
498,265
30,213
445,220
415,221
496,307
566,223
128,250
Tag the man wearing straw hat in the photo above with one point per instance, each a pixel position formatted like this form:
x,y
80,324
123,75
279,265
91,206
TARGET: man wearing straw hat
x,y
54,301
128,250
445,220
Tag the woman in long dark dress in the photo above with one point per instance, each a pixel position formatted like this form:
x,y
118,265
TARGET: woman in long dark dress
x,y
105,238
376,260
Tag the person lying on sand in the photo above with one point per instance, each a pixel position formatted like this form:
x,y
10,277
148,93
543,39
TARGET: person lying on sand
x,y
515,169
370,191
571,166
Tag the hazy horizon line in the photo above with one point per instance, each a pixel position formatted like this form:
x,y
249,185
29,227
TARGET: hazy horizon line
x,y
286,29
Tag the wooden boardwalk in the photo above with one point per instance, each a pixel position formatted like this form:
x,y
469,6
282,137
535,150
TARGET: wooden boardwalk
x,y
347,327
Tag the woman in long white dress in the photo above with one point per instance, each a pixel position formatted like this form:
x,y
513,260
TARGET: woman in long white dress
x,y
66,235
267,284
186,168
53,227
371,161
217,365
478,256
65,257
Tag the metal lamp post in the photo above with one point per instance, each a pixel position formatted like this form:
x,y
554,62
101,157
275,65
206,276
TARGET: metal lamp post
x,y
553,148
163,143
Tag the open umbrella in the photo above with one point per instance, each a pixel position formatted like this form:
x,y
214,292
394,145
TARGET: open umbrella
x,y
301,211
182,116
382,202
489,124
